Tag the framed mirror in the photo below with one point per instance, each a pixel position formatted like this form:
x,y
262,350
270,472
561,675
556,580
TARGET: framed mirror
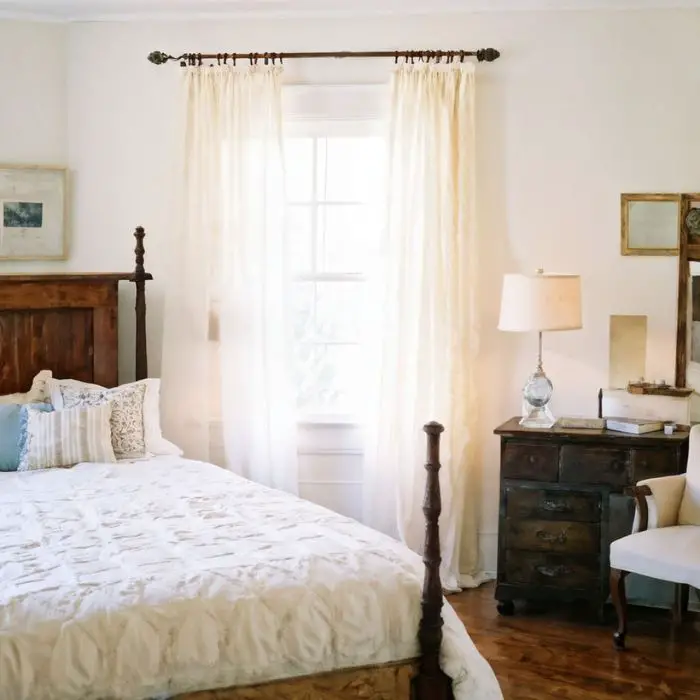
x,y
651,224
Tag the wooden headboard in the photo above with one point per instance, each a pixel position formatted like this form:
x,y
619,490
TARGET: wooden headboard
x,y
68,324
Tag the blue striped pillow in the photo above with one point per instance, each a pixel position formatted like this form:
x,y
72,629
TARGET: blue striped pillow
x,y
13,432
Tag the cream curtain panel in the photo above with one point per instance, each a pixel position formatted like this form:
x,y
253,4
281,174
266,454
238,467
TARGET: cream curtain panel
x,y
426,354
226,347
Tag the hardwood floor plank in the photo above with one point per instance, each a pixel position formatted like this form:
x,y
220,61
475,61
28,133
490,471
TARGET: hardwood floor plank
x,y
564,654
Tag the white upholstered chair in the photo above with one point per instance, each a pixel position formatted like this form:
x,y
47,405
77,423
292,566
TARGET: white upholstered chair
x,y
665,539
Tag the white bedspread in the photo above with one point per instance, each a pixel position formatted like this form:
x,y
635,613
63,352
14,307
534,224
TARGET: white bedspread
x,y
167,575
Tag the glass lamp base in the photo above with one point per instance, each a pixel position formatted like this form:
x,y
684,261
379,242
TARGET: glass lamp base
x,y
538,417
536,395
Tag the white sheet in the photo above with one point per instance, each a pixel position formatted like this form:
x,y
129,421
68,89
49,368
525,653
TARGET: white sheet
x,y
167,575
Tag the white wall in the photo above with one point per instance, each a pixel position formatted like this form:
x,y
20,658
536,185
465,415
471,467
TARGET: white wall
x,y
32,103
581,107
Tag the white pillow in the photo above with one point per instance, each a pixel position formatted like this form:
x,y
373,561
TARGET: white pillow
x,y
38,393
65,438
154,441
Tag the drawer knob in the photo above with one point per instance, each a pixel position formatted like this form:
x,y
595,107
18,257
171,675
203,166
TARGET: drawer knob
x,y
531,459
551,538
556,506
553,571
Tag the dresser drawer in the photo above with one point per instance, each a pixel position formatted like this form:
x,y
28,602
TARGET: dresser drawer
x,y
647,463
552,504
553,536
595,465
532,568
528,460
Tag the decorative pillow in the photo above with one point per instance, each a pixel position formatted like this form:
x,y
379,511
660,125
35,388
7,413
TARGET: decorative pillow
x,y
13,433
64,438
155,443
127,414
38,393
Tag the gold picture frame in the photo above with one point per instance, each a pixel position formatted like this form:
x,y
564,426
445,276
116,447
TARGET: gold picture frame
x,y
650,224
33,212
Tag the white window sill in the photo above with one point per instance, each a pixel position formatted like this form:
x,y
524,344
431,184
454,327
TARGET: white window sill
x,y
328,420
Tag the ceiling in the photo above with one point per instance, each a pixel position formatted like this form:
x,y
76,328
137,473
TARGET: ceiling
x,y
120,10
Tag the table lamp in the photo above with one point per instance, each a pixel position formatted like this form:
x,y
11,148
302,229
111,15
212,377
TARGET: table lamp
x,y
540,302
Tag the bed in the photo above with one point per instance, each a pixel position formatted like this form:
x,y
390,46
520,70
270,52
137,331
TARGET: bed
x,y
170,578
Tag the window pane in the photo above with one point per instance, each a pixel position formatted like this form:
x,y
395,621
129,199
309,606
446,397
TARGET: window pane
x,y
303,307
344,232
329,378
339,307
349,169
299,238
328,312
299,169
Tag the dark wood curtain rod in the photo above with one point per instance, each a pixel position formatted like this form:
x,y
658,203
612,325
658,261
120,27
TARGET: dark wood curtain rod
x,y
196,59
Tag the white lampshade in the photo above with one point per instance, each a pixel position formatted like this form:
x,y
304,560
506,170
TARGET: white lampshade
x,y
540,302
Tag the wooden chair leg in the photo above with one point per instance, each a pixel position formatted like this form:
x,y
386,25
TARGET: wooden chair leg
x,y
680,604
619,599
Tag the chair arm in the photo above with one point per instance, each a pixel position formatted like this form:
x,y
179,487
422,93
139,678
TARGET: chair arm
x,y
658,502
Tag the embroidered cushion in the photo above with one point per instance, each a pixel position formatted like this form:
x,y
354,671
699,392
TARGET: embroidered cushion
x,y
155,443
127,414
64,438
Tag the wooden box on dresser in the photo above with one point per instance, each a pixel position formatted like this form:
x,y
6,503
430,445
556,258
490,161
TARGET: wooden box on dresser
x,y
563,500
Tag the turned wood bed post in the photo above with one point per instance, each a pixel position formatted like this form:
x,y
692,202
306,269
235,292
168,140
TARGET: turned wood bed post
x,y
139,278
431,683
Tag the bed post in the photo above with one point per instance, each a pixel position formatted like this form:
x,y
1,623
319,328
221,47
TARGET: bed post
x,y
139,278
431,683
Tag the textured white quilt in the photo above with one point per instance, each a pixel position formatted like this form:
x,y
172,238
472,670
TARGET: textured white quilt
x,y
162,576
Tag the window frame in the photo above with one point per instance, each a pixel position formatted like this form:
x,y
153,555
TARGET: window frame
x,y
299,127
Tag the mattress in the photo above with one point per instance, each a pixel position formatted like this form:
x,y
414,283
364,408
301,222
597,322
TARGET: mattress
x,y
157,577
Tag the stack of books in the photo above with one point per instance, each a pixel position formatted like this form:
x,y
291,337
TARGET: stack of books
x,y
633,426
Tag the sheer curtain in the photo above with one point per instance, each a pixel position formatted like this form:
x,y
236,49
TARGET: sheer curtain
x,y
226,346
425,359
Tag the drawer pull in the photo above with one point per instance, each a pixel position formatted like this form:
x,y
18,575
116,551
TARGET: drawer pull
x,y
556,506
552,538
553,571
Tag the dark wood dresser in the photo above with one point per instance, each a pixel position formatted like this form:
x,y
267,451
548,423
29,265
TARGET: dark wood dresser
x,y
562,502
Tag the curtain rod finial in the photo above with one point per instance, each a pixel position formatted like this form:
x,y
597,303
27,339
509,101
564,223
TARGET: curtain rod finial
x,y
488,55
157,57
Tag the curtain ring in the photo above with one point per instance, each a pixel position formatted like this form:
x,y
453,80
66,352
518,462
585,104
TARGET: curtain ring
x,y
233,59
250,58
396,57
199,58
218,59
267,58
461,56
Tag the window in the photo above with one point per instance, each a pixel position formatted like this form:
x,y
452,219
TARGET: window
x,y
334,180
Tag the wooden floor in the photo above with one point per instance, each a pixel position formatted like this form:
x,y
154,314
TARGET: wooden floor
x,y
564,653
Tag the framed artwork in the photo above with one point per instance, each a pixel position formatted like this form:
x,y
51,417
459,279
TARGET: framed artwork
x,y
32,213
650,224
